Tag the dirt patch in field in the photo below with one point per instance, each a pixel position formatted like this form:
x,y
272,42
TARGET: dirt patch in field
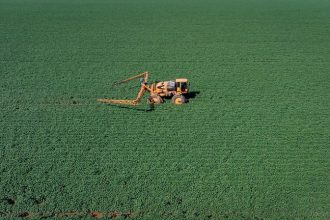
x,y
71,214
25,214
96,214
114,214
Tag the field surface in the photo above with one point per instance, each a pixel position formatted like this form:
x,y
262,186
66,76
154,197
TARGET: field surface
x,y
254,143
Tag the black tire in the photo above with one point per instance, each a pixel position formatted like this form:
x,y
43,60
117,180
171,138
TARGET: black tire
x,y
179,99
155,99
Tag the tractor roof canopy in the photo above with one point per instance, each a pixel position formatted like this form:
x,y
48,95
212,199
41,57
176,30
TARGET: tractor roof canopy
x,y
181,80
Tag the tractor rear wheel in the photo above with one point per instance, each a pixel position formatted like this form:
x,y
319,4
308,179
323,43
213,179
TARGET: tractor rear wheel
x,y
179,99
155,99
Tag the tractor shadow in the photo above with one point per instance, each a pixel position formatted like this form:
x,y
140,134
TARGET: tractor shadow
x,y
192,95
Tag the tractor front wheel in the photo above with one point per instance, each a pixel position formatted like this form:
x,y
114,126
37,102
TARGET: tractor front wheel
x,y
179,99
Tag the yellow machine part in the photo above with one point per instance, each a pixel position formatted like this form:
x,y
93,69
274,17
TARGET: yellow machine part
x,y
161,89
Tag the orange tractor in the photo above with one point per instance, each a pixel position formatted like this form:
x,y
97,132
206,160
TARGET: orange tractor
x,y
177,89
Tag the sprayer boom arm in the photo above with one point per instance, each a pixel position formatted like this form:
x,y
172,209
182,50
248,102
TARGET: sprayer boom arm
x,y
144,75
142,90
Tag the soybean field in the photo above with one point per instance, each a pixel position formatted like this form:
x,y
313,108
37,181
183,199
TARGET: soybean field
x,y
253,142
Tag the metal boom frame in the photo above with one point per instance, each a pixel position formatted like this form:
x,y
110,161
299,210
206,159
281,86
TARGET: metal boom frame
x,y
140,94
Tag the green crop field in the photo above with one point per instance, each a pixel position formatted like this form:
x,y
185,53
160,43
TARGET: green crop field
x,y
254,143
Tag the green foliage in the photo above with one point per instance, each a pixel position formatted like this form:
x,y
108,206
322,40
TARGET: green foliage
x,y
253,144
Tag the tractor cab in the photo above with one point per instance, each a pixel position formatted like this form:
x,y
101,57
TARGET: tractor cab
x,y
182,85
